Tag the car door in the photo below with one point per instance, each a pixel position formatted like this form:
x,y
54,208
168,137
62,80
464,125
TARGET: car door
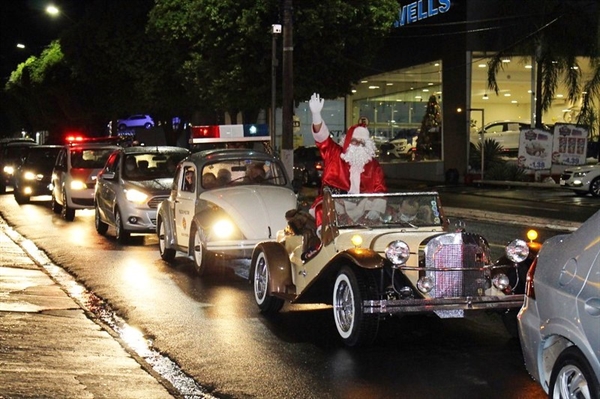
x,y
185,203
105,190
588,299
58,175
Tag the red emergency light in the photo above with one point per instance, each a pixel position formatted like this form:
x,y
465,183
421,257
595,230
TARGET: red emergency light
x,y
229,133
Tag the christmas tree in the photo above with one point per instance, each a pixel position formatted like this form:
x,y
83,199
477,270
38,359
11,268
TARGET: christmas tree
x,y
429,135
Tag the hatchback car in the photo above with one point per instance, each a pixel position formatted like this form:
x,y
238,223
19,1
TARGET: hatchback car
x,y
582,180
33,175
74,176
308,165
134,121
12,152
224,201
383,255
134,181
560,319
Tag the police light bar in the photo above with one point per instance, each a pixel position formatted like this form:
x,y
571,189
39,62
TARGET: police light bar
x,y
229,133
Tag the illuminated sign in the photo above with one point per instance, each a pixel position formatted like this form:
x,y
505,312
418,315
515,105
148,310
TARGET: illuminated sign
x,y
421,9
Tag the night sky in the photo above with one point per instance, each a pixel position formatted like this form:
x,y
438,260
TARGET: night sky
x,y
26,22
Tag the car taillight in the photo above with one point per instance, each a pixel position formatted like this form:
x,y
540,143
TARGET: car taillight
x,y
319,165
529,286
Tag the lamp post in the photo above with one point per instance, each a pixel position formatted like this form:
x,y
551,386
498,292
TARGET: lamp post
x,y
287,107
275,30
482,135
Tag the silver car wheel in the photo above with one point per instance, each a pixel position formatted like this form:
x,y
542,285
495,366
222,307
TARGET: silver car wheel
x,y
261,279
343,306
570,383
201,258
595,187
167,254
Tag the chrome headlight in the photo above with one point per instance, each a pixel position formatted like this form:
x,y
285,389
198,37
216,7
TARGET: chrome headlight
x,y
517,251
136,196
397,252
501,281
425,284
78,185
223,229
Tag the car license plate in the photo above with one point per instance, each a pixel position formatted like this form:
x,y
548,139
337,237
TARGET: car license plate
x,y
562,182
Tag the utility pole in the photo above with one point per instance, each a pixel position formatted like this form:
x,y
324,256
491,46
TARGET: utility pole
x,y
287,142
275,30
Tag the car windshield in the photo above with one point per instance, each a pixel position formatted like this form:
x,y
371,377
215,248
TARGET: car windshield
x,y
387,210
43,157
242,171
148,166
93,158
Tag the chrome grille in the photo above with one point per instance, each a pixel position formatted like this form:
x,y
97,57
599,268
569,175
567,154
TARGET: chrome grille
x,y
155,201
457,251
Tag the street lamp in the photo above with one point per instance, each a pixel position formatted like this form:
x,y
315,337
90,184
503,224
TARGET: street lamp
x,y
52,10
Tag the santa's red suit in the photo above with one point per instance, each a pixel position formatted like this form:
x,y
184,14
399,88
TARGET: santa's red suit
x,y
336,171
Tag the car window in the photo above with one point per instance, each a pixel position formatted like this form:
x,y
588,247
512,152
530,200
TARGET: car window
x,y
514,127
93,158
495,128
147,166
245,171
43,157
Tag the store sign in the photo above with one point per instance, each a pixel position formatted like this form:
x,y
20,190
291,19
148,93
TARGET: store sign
x,y
535,149
570,144
421,9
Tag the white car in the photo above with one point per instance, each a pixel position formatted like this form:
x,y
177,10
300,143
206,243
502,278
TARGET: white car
x,y
138,120
224,201
134,181
505,133
74,176
559,323
582,179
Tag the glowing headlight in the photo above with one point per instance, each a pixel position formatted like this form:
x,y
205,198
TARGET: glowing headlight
x,y
397,252
136,196
29,176
532,235
9,170
425,284
356,240
517,251
223,228
501,281
79,185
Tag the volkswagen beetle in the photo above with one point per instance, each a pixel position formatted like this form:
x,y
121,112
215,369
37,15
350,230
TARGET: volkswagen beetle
x,y
383,255
223,202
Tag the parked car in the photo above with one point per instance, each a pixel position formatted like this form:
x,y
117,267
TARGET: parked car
x,y
403,145
74,176
560,319
33,175
308,165
383,255
134,181
138,120
12,152
505,133
234,198
582,179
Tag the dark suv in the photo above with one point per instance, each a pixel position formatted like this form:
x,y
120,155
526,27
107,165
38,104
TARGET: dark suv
x,y
12,152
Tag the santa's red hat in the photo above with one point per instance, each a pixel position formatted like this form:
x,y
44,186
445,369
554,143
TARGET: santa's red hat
x,y
359,132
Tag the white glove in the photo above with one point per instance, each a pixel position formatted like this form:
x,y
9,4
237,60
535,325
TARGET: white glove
x,y
316,105
373,215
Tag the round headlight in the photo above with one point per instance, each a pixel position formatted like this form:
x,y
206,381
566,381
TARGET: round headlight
x,y
517,251
356,240
397,252
223,228
425,284
501,281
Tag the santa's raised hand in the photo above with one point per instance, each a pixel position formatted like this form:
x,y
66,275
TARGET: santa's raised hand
x,y
316,105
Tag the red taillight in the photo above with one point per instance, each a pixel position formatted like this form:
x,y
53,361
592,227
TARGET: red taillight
x,y
319,165
529,286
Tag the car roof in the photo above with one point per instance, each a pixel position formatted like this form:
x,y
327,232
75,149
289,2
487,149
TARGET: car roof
x,y
153,149
80,146
229,153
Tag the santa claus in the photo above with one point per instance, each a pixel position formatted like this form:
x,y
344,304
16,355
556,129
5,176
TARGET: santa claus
x,y
349,168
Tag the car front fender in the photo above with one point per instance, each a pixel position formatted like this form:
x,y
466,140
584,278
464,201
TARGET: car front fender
x,y
166,216
280,269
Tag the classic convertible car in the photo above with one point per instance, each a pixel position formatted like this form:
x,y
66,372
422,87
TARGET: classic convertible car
x,y
388,254
223,202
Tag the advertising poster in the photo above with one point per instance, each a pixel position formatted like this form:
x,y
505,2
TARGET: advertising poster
x,y
535,149
570,144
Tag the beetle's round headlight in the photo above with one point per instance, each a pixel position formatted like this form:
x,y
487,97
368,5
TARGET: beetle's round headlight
x,y
517,251
223,228
397,252
356,240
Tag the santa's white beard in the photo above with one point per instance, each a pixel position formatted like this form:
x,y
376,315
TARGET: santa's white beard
x,y
357,156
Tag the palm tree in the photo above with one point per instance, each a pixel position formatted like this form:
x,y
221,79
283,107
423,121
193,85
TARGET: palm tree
x,y
569,29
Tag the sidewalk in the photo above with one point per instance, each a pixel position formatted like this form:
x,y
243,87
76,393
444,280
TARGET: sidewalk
x,y
50,348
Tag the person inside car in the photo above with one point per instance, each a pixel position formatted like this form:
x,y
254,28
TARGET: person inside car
x,y
188,181
255,173
131,168
223,177
209,180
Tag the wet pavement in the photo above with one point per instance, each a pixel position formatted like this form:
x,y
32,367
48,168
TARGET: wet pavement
x,y
51,348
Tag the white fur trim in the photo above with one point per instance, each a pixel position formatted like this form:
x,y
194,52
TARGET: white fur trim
x,y
322,134
360,133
